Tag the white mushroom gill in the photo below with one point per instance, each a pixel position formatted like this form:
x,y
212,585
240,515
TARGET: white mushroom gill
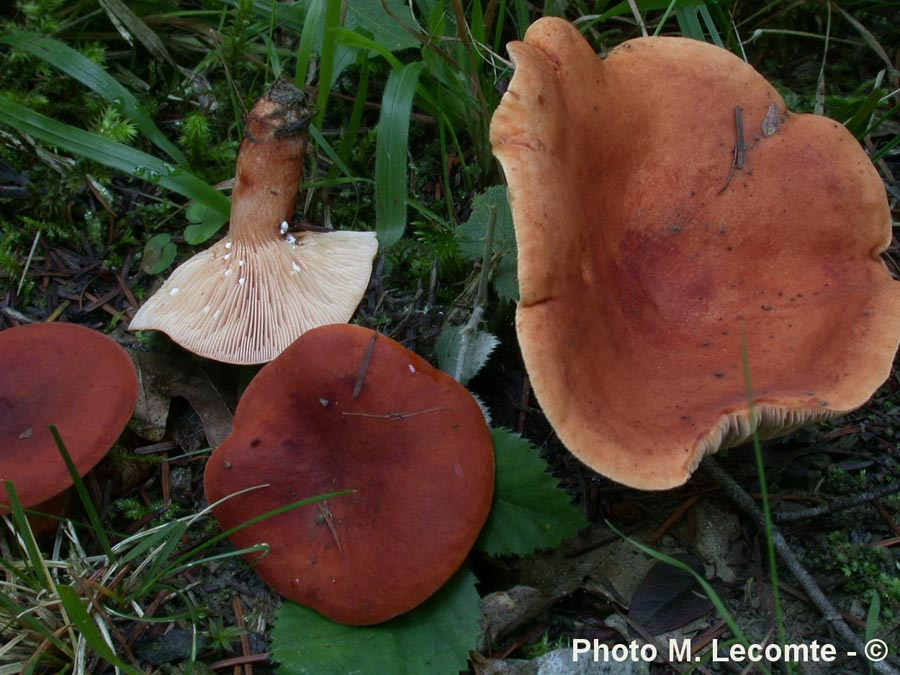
x,y
281,292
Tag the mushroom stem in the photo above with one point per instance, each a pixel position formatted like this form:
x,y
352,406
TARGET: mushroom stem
x,y
745,502
270,164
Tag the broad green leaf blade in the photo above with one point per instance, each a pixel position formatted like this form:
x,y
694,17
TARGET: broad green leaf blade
x,y
434,638
112,154
159,253
92,76
205,222
530,512
470,239
390,153
381,24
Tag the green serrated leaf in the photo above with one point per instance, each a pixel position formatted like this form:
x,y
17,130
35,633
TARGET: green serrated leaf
x,y
530,512
470,239
464,361
391,153
159,253
434,638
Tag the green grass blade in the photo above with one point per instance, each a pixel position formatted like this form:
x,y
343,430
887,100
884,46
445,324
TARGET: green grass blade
x,y
326,57
870,39
191,557
858,124
39,575
147,541
711,27
130,25
710,592
350,134
881,120
312,26
662,22
689,22
391,153
873,617
112,154
764,498
263,516
329,150
890,145
9,608
86,501
350,38
169,545
82,620
94,77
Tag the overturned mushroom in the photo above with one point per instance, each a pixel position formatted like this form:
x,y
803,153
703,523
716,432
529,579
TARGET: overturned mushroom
x,y
671,216
64,375
255,291
346,408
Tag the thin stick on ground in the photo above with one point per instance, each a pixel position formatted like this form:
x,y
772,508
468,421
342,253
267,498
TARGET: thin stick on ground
x,y
839,504
746,503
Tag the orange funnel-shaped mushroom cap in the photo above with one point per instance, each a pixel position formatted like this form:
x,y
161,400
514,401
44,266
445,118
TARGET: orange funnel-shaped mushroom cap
x,y
69,376
344,408
252,293
671,217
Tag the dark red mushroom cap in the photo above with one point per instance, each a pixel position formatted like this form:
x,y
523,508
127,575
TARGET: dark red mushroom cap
x,y
69,376
346,408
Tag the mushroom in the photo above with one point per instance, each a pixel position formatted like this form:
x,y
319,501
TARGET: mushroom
x,y
255,291
64,375
672,217
344,408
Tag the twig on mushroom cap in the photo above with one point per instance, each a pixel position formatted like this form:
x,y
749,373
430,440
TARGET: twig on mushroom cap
x,y
255,291
745,502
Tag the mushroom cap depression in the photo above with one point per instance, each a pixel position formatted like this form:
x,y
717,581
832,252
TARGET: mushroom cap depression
x,y
654,252
66,375
347,408
252,293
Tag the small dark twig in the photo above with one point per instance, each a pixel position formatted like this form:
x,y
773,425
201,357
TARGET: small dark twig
x,y
839,504
363,367
740,148
745,502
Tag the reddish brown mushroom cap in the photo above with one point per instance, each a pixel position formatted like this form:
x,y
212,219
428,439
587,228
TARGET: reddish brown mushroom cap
x,y
648,246
65,375
346,408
